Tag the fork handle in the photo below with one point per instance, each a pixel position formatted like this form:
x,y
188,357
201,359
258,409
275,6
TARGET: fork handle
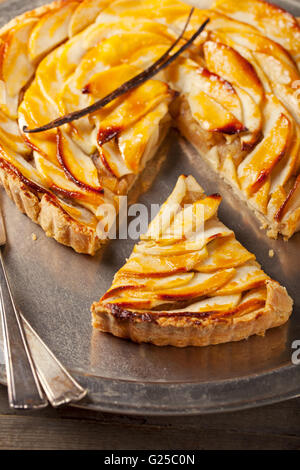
x,y
24,390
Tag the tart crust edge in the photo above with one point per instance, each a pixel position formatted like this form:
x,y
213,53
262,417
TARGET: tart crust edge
x,y
276,312
45,211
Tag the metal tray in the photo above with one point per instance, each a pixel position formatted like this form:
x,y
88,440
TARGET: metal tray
x,y
55,287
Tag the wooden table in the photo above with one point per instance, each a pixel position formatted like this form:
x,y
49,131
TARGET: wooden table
x,y
272,427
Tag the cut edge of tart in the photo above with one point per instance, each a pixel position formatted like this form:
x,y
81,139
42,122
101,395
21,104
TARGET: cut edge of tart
x,y
189,282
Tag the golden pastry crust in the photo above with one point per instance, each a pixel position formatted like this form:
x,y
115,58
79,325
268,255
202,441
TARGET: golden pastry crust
x,y
122,324
44,210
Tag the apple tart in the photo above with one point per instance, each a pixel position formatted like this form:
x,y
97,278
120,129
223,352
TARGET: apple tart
x,y
189,282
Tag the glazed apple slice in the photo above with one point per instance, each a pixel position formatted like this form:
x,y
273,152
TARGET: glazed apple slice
x,y
199,286
228,63
10,135
187,76
57,181
192,218
134,106
112,159
123,282
169,209
51,30
174,223
163,266
16,57
25,168
289,165
247,277
285,81
34,111
166,12
280,25
115,49
252,119
212,116
291,206
258,165
215,304
85,14
77,166
262,44
139,143
224,253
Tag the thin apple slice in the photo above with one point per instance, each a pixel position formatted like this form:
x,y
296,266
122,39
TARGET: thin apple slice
x,y
212,229
224,253
252,118
175,223
57,180
262,44
201,285
229,64
135,105
165,12
16,57
77,166
10,135
191,219
289,165
51,30
23,166
285,80
115,49
112,160
279,25
214,304
212,116
188,76
81,91
291,205
167,211
138,143
83,215
259,164
248,276
125,282
85,14
153,265
35,111
8,104
136,304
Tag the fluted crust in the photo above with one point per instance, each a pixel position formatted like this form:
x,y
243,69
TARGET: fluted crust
x,y
46,212
277,311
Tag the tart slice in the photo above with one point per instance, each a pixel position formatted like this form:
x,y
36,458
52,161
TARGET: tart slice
x,y
189,282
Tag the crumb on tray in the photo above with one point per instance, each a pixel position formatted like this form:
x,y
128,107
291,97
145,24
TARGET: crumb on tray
x,y
34,237
271,253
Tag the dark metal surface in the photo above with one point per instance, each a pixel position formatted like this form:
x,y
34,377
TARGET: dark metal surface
x,y
55,287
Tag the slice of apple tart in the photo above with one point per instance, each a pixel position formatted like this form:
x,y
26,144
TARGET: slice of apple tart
x,y
189,282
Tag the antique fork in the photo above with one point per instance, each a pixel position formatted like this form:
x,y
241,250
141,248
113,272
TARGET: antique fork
x,y
29,362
